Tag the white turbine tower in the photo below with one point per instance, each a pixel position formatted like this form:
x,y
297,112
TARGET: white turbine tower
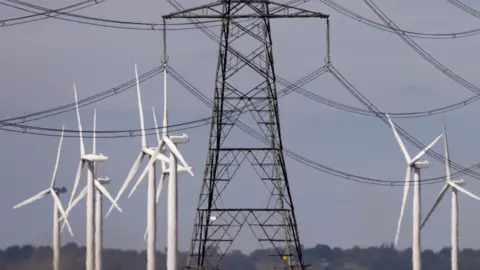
x,y
98,218
415,164
455,185
57,207
155,154
91,160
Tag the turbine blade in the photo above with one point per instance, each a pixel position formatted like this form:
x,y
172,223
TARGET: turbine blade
x,y
145,234
404,202
129,178
82,195
156,125
54,177
459,188
437,201
62,211
135,187
38,196
140,110
420,155
160,186
399,140
447,154
82,146
105,193
174,150
75,182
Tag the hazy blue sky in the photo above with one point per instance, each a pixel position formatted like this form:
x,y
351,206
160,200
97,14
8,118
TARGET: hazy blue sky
x,y
41,61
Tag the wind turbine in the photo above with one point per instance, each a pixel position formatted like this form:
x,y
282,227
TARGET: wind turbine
x,y
100,191
415,164
175,156
57,207
91,160
455,185
155,154
164,172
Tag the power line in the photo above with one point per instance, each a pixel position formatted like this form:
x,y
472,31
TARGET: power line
x,y
37,130
83,102
118,24
389,28
465,8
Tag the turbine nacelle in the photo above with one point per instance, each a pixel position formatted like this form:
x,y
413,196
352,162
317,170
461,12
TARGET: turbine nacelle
x,y
95,158
459,182
179,139
421,164
104,180
60,190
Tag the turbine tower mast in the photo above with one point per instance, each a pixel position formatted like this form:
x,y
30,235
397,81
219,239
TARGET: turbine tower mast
x,y
245,77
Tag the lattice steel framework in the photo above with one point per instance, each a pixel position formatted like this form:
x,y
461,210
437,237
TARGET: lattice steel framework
x,y
245,46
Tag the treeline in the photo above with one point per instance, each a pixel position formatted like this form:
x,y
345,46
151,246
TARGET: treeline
x,y
320,257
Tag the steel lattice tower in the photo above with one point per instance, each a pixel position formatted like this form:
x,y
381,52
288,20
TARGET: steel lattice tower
x,y
217,226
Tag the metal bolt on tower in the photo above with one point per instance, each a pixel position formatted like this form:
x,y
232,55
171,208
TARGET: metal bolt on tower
x,y
245,84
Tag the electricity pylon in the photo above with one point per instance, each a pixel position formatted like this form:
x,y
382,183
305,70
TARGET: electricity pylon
x,y
245,85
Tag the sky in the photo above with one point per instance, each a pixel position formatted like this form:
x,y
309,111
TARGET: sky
x,y
42,60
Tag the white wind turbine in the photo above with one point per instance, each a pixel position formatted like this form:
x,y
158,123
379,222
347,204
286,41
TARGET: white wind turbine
x,y
91,160
415,164
57,207
100,191
155,154
455,185
172,210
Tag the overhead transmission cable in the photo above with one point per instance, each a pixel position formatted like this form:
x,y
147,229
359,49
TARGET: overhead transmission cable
x,y
58,13
83,102
391,29
465,8
35,130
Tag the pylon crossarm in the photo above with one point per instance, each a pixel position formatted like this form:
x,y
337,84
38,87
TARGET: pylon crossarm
x,y
216,11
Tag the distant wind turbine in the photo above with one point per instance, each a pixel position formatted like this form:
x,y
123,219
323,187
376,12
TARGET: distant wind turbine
x,y
175,156
164,172
415,164
155,155
455,185
57,207
100,191
91,160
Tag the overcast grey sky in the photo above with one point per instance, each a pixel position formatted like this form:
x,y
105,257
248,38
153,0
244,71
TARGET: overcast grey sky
x,y
41,61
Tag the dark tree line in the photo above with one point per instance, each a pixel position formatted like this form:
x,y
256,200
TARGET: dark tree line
x,y
320,257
